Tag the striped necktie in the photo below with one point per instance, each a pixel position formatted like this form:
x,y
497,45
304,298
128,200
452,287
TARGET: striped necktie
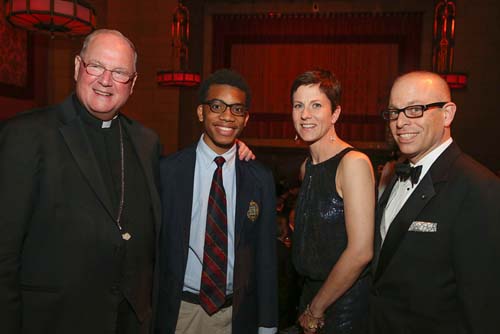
x,y
213,276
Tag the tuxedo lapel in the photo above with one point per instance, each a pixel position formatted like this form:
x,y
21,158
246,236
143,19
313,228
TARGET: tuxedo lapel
x,y
399,226
78,143
382,202
385,195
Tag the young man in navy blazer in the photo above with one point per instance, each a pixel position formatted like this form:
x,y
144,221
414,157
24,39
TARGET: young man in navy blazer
x,y
250,296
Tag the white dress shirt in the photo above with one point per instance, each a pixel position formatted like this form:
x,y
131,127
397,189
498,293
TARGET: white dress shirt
x,y
403,189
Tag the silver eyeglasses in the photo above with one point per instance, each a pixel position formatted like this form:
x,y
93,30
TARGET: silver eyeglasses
x,y
117,75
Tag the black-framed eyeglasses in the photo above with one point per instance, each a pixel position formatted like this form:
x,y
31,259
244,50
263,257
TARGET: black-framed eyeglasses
x,y
218,106
117,75
415,111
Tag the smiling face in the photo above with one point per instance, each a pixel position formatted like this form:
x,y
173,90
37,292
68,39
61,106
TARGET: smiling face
x,y
101,95
312,113
221,130
416,137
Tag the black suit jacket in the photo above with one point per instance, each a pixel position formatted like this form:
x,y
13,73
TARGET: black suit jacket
x,y
445,281
255,296
58,238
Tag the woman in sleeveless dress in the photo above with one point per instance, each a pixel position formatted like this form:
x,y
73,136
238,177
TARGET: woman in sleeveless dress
x,y
334,221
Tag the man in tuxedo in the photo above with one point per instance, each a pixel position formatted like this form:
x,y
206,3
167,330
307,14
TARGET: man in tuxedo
x,y
79,205
438,252
217,258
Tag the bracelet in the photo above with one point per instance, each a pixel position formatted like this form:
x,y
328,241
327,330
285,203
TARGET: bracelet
x,y
314,323
309,313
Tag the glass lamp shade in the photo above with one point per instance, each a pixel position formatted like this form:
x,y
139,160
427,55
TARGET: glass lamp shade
x,y
70,17
178,78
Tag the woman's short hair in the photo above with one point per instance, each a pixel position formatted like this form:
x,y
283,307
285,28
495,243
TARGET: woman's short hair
x,y
327,81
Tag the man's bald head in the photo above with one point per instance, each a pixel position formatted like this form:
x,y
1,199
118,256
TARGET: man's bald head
x,y
423,85
417,136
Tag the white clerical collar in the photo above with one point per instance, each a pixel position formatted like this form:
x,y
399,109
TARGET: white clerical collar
x,y
107,124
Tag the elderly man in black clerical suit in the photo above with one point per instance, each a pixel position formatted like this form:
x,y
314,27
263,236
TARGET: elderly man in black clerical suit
x,y
217,241
438,238
79,205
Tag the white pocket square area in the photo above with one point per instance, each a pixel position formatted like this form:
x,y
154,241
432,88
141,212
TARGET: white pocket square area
x,y
418,226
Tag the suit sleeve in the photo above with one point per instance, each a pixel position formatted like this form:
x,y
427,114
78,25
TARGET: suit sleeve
x,y
476,256
267,288
18,191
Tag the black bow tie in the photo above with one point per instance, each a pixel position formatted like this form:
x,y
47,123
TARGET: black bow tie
x,y
405,171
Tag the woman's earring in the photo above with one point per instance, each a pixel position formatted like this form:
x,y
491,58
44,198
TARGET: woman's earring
x,y
296,137
332,136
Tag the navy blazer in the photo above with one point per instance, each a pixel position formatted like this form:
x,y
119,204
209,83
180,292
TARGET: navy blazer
x,y
444,279
255,296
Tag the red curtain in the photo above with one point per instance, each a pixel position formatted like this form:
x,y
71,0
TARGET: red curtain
x,y
365,51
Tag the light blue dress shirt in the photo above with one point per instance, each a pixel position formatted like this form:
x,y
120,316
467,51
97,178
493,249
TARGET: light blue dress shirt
x,y
203,174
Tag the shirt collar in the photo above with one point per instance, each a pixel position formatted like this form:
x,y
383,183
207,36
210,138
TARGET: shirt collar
x,y
427,161
207,155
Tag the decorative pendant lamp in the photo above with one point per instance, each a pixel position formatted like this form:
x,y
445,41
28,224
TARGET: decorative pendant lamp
x,y
444,44
180,77
69,17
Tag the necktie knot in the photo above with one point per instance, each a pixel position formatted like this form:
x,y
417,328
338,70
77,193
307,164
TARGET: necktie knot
x,y
219,161
404,172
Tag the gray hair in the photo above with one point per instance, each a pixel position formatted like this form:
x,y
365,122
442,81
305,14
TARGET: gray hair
x,y
97,32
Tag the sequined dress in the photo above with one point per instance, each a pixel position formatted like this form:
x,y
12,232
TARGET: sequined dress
x,y
319,239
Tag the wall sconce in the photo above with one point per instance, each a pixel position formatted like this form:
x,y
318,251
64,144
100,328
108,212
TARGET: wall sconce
x,y
180,77
444,44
